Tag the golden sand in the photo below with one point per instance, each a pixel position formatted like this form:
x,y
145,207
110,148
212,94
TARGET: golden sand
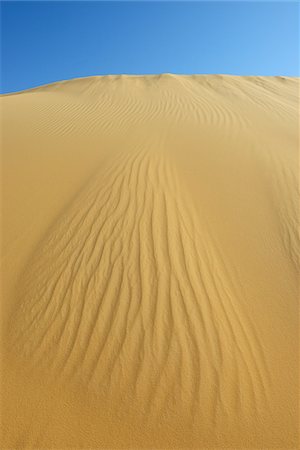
x,y
149,263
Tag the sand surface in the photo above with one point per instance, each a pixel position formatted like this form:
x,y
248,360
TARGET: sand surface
x,y
149,264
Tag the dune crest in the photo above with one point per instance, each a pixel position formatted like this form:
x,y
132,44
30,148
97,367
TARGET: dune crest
x,y
140,287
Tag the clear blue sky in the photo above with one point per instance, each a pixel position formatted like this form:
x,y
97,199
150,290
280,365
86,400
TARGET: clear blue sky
x,y
44,41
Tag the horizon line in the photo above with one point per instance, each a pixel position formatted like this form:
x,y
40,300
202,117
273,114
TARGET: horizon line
x,y
136,75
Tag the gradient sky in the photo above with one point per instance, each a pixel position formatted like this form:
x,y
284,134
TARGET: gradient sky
x,y
44,41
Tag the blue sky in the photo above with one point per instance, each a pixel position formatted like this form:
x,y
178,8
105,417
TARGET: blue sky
x,y
44,41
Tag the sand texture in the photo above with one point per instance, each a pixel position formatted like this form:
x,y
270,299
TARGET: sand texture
x,y
149,269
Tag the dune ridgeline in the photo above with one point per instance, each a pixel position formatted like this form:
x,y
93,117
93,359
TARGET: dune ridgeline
x,y
149,264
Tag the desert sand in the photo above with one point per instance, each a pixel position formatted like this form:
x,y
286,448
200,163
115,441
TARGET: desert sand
x,y
149,266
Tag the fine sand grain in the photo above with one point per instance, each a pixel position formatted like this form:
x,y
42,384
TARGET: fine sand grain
x,y
149,269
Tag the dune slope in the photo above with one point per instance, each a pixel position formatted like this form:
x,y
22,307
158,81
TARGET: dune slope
x,y
150,255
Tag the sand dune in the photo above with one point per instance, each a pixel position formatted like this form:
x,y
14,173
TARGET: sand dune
x,y
150,257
